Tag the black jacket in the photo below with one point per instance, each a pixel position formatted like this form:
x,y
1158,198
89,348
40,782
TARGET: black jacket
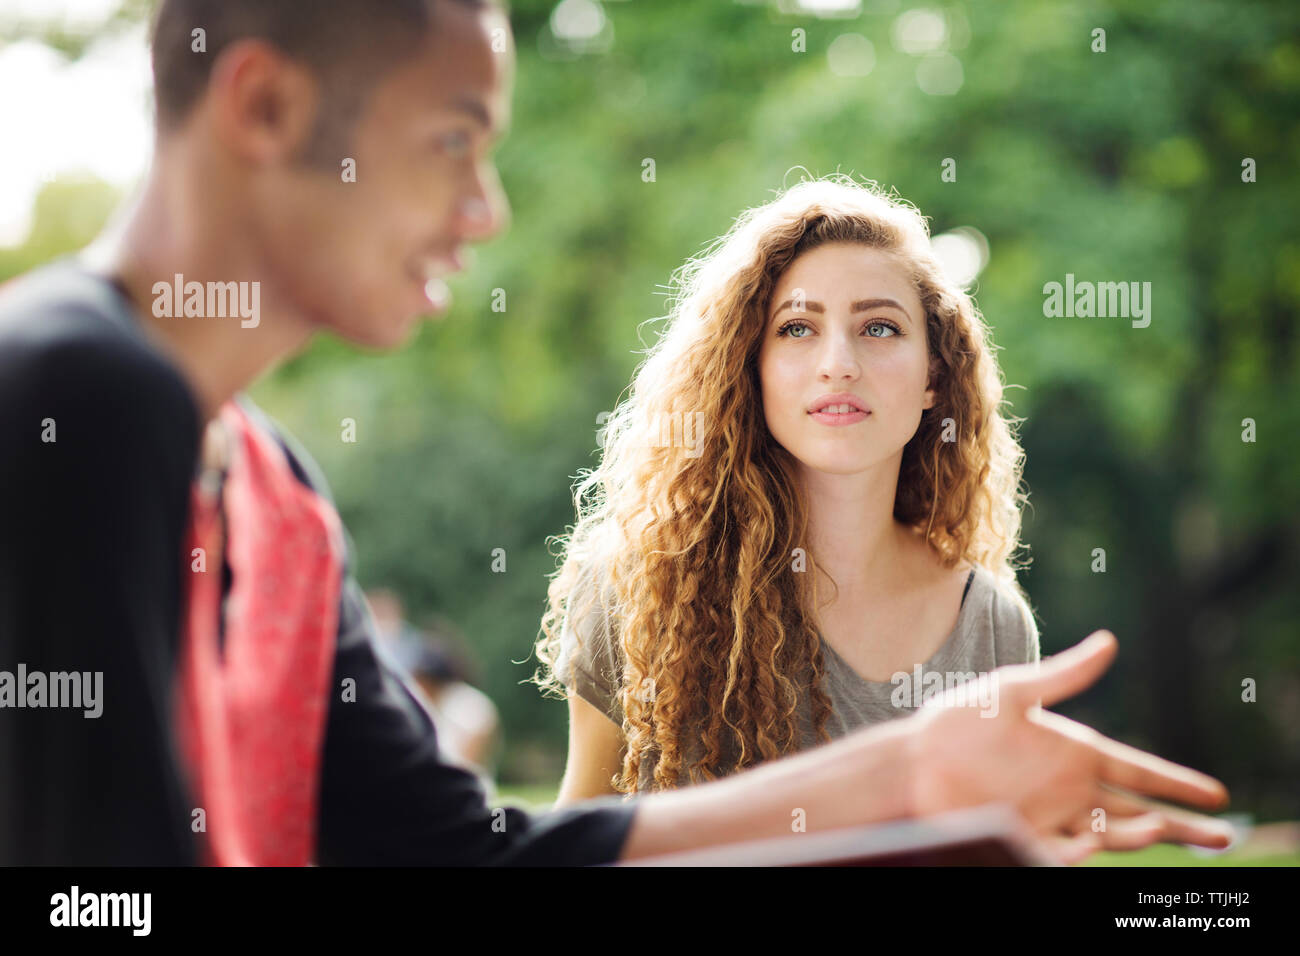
x,y
91,539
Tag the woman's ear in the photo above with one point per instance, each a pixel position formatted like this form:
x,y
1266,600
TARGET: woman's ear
x,y
931,383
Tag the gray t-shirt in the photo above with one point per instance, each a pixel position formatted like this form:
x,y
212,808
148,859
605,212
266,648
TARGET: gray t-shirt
x,y
994,628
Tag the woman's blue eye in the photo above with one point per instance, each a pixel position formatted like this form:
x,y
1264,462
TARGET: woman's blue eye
x,y
874,330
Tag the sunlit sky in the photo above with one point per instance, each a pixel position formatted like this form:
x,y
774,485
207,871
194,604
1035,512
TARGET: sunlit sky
x,y
61,118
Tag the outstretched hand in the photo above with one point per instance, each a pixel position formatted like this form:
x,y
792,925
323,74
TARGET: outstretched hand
x,y
1079,790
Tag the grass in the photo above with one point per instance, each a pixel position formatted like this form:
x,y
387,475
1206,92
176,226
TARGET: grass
x,y
537,796
1165,854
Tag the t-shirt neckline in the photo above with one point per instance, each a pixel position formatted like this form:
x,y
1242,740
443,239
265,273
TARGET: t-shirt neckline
x,y
952,643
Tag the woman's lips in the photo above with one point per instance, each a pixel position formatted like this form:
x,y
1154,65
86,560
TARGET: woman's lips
x,y
828,417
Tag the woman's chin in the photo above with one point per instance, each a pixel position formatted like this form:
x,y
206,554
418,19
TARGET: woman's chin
x,y
836,464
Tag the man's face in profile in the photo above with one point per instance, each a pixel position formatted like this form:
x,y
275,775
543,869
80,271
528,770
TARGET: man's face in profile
x,y
359,256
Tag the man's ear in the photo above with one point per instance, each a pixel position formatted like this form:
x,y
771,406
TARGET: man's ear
x,y
265,103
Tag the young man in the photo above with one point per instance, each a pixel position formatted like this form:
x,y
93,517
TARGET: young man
x,y
245,717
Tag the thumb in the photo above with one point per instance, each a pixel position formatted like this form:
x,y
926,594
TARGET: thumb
x,y
1065,674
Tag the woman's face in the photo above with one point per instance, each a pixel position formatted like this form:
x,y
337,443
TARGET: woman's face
x,y
845,330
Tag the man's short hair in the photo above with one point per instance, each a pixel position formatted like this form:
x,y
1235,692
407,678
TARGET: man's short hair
x,y
348,44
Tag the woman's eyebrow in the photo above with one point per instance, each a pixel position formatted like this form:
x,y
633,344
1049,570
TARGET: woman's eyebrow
x,y
862,305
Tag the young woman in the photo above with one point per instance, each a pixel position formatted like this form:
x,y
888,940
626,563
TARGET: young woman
x,y
809,491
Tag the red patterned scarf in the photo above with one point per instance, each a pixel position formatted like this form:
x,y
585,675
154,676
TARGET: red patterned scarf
x,y
252,713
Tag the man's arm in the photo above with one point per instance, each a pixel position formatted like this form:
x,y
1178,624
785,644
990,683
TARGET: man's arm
x,y
98,439
857,780
388,797
1051,770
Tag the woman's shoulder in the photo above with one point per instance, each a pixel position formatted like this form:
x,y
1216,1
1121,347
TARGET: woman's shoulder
x,y
998,601
589,659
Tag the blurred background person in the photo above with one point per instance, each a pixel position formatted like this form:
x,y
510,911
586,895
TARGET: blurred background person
x,y
444,671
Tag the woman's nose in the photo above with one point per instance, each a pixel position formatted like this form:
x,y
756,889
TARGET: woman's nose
x,y
838,361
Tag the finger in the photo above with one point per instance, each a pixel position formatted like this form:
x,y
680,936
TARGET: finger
x,y
1120,822
1140,772
1143,773
1180,826
1133,833
1069,672
1069,850
1123,804
1196,830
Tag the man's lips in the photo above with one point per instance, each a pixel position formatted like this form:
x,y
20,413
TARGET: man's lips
x,y
430,274
439,267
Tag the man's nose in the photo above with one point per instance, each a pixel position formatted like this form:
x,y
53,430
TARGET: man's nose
x,y
485,212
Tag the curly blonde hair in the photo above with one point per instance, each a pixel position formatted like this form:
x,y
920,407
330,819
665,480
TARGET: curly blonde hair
x,y
687,546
